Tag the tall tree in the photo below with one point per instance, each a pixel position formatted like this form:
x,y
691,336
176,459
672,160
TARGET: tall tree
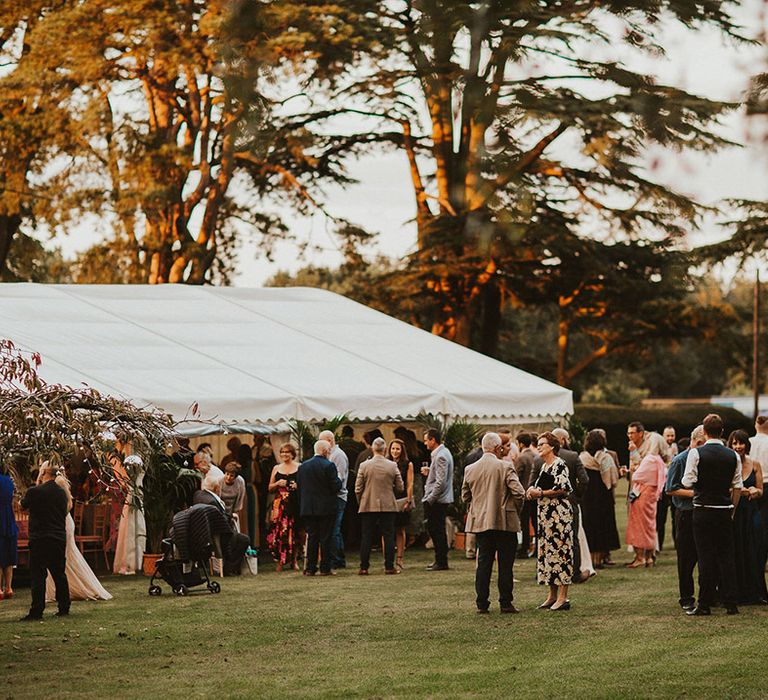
x,y
169,117
516,136
34,130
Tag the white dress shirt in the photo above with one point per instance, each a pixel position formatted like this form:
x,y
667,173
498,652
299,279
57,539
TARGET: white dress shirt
x,y
691,475
339,458
759,452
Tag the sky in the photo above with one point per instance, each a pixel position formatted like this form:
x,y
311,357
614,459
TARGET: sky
x,y
382,201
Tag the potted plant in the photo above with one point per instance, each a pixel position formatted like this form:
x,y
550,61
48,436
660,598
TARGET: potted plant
x,y
167,488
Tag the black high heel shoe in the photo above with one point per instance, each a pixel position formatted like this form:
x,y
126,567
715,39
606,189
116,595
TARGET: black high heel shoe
x,y
545,605
565,606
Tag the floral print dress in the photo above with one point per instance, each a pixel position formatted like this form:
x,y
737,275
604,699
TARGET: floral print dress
x,y
555,527
283,539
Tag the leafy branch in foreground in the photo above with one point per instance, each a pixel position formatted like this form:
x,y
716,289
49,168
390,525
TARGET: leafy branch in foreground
x,y
41,421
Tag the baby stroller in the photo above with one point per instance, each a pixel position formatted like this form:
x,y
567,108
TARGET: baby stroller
x,y
180,575
188,550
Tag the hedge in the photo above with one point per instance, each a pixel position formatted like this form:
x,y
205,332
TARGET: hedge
x,y
683,417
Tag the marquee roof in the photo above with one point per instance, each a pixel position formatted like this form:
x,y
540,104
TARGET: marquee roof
x,y
262,355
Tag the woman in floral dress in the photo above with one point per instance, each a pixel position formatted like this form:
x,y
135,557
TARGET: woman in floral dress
x,y
284,539
555,524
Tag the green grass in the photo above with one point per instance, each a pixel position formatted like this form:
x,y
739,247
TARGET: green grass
x,y
285,635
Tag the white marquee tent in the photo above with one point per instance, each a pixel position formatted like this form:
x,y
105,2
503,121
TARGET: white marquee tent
x,y
263,355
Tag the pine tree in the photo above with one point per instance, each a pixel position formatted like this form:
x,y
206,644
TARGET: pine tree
x,y
522,147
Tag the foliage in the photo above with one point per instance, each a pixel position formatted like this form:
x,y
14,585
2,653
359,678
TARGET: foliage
x,y
305,433
576,431
683,417
34,262
166,489
41,421
481,99
165,131
619,387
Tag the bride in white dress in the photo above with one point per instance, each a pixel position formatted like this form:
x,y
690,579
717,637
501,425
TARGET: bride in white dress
x,y
83,584
132,535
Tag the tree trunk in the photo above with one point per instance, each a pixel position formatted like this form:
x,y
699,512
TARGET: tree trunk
x,y
562,351
9,226
490,320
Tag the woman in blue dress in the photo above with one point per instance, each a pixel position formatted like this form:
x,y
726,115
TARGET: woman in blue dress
x,y
747,528
8,534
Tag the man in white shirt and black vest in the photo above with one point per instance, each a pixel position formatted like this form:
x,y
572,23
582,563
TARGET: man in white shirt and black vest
x,y
713,471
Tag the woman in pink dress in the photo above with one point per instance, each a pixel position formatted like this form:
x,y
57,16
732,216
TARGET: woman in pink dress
x,y
647,486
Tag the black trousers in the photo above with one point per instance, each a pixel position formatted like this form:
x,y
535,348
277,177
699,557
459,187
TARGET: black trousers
x,y
713,533
48,554
664,504
319,530
436,513
763,506
576,546
686,555
526,515
369,523
493,544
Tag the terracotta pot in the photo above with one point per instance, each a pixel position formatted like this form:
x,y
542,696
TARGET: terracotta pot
x,y
459,540
150,563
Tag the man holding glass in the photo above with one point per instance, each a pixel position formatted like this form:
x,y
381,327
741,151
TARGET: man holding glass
x,y
438,495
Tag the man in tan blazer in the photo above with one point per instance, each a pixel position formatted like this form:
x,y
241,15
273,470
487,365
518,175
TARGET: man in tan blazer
x,y
495,496
377,481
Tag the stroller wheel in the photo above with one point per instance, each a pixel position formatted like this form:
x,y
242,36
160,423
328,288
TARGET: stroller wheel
x,y
181,590
214,587
155,590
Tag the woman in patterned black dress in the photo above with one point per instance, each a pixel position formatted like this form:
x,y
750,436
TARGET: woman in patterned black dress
x,y
284,537
555,524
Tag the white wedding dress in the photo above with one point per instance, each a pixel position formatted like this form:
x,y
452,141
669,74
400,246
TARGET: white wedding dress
x,y
131,537
83,584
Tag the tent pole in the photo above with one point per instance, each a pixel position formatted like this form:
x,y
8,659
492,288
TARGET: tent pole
x,y
756,347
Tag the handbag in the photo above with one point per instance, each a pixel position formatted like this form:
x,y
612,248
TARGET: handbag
x,y
251,561
545,481
402,505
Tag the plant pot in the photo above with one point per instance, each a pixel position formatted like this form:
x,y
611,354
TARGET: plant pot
x,y
150,563
459,541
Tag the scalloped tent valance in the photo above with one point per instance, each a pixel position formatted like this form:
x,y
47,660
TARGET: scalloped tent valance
x,y
263,355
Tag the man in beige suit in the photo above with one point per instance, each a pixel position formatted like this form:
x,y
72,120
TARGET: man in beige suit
x,y
495,496
377,481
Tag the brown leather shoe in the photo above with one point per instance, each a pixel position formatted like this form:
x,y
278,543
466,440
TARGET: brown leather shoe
x,y
327,573
362,572
511,609
391,572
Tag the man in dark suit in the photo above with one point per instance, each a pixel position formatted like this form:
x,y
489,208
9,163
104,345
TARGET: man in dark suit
x,y
713,471
48,505
579,479
318,483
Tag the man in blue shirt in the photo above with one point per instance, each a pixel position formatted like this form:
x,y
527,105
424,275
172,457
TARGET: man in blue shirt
x,y
682,500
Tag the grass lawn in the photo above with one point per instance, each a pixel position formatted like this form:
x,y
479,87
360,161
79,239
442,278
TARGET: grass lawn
x,y
285,635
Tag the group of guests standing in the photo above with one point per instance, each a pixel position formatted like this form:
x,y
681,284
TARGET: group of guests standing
x,y
720,517
311,499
